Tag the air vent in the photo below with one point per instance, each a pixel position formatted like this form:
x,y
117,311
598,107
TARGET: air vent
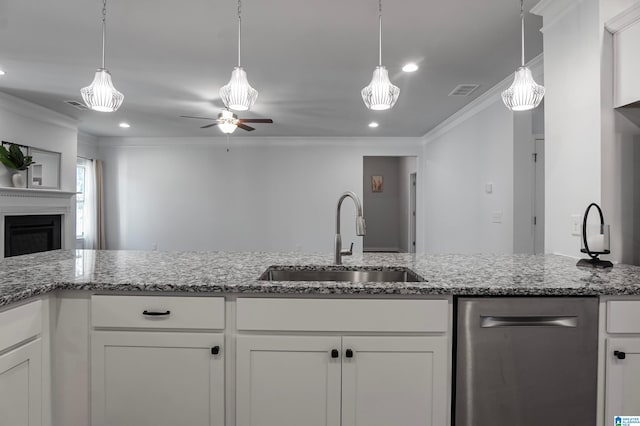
x,y
76,104
464,89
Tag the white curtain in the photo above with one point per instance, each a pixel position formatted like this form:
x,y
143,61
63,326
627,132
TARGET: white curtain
x,y
90,202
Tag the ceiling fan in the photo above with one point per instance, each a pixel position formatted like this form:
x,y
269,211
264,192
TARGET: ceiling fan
x,y
228,121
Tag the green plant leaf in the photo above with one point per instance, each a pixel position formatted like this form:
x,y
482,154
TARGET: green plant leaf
x,y
16,152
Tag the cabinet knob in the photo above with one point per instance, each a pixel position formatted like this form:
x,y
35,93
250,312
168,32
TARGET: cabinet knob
x,y
335,353
349,353
215,350
619,354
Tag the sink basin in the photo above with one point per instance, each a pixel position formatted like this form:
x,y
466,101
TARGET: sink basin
x,y
362,274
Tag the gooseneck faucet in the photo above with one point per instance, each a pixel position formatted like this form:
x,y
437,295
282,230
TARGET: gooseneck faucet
x,y
361,228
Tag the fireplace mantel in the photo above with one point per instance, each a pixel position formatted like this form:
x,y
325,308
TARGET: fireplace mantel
x,y
35,201
34,192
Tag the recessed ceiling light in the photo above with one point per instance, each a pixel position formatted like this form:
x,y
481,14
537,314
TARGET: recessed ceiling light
x,y
410,67
2,72
373,124
124,125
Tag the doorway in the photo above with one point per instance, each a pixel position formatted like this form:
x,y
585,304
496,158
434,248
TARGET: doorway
x,y
389,199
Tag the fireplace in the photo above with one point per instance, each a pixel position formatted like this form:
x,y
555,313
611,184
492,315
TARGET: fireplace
x,y
32,234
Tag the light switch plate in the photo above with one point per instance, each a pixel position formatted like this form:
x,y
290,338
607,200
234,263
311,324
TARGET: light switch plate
x,y
576,225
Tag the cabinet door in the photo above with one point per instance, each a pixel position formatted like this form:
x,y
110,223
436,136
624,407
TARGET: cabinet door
x,y
395,380
288,381
21,385
157,378
622,391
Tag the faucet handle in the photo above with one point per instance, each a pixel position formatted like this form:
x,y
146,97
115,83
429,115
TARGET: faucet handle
x,y
347,252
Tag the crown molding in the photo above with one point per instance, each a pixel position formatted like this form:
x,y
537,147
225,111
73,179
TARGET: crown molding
x,y
406,143
552,10
623,19
483,101
36,112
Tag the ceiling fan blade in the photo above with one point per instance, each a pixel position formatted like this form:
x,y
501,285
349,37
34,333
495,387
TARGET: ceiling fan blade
x,y
199,118
255,120
245,127
209,125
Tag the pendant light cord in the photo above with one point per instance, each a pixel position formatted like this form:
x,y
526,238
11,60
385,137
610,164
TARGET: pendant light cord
x,y
380,32
522,28
104,30
239,32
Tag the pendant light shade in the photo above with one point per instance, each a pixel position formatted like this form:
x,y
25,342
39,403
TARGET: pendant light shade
x,y
524,94
101,95
238,94
380,94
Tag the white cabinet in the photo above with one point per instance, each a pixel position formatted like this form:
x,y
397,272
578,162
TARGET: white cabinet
x,y
157,361
394,380
21,365
348,381
288,381
21,385
622,377
622,358
627,64
330,362
157,378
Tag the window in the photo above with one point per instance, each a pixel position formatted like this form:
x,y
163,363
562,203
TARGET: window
x,y
81,173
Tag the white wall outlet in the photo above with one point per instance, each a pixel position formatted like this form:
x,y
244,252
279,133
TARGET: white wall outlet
x,y
576,225
488,188
496,216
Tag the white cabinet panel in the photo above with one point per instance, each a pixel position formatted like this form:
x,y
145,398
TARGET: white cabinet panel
x,y
395,380
155,378
627,65
20,323
157,312
21,386
288,381
622,391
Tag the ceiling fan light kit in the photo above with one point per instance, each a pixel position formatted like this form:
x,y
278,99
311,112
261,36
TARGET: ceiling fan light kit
x,y
524,94
227,122
380,94
238,94
101,95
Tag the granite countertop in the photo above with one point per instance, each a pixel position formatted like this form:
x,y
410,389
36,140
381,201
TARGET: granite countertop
x,y
226,272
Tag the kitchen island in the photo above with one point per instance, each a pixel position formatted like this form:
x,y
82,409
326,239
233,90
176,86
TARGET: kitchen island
x,y
228,272
134,337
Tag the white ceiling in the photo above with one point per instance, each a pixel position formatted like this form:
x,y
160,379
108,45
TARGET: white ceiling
x,y
308,59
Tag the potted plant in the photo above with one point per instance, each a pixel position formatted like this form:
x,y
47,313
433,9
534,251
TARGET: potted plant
x,y
15,160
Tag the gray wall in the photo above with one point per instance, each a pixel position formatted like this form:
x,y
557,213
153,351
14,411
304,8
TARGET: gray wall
x,y
383,210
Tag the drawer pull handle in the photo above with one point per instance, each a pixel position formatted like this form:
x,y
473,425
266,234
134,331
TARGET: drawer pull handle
x,y
619,354
156,314
349,353
335,353
215,350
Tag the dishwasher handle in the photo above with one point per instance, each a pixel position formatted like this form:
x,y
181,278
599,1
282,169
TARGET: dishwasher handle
x,y
491,321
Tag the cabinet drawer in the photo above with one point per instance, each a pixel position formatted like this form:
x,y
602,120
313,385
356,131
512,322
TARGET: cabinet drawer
x,y
157,312
623,316
343,315
20,323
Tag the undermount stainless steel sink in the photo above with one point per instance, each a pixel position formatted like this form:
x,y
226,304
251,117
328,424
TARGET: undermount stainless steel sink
x,y
365,274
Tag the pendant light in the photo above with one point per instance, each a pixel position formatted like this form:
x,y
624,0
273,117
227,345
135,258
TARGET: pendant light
x,y
238,95
380,94
101,95
524,94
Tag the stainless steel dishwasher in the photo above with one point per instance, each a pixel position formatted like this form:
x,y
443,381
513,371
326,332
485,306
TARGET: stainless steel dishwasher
x,y
528,361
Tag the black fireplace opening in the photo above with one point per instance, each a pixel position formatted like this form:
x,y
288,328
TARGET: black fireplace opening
x,y
32,234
